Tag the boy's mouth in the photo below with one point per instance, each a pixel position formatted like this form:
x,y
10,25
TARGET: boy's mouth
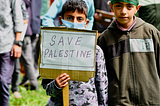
x,y
123,17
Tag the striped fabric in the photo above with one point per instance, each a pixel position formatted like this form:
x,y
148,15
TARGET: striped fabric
x,y
129,28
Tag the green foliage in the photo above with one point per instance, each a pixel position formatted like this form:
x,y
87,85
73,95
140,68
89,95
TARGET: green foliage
x,y
30,98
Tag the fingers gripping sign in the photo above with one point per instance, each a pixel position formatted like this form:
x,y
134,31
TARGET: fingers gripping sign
x,y
62,80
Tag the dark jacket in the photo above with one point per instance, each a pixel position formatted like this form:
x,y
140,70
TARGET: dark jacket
x,y
34,21
101,5
133,64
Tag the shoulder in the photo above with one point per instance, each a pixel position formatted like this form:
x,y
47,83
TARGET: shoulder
x,y
112,29
147,29
143,26
98,50
99,54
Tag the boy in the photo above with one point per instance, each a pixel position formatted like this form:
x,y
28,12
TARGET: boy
x,y
51,17
132,53
91,93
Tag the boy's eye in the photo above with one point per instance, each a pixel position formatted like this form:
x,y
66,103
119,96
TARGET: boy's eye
x,y
129,6
80,19
118,6
69,18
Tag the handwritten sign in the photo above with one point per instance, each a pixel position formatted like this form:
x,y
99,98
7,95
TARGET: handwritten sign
x,y
67,49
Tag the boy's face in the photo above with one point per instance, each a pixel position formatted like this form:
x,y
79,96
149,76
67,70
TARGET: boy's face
x,y
75,17
124,13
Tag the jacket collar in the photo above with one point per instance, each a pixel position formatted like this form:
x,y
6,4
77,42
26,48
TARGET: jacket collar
x,y
139,22
129,28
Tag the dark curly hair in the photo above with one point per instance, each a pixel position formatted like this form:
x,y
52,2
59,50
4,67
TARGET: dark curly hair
x,y
72,5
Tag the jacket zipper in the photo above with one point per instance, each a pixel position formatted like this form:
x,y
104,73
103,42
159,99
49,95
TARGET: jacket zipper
x,y
132,69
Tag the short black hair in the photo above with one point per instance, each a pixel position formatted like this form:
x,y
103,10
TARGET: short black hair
x,y
72,5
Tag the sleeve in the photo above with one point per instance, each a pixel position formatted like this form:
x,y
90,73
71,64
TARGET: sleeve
x,y
91,11
36,21
101,79
24,10
157,50
53,11
51,87
17,16
158,59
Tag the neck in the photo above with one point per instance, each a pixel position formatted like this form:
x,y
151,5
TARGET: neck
x,y
128,26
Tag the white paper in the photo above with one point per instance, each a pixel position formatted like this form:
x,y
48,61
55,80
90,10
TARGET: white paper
x,y
67,50
24,31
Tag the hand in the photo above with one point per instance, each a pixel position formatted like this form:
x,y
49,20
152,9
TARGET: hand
x,y
100,20
16,51
62,80
97,17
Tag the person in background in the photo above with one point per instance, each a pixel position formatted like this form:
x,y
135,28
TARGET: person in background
x,y
132,52
28,59
16,73
44,8
100,5
150,12
11,22
51,17
91,93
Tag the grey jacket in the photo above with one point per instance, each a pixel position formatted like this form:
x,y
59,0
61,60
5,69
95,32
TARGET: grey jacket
x,y
11,21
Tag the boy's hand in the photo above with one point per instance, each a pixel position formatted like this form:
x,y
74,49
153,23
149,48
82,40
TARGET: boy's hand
x,y
97,17
62,80
16,51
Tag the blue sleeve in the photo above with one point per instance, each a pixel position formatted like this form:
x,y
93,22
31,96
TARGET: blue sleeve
x,y
50,17
91,11
101,79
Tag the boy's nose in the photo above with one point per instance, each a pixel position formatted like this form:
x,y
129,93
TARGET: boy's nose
x,y
124,10
75,20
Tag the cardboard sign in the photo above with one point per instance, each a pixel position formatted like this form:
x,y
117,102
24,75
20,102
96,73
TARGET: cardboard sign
x,y
70,51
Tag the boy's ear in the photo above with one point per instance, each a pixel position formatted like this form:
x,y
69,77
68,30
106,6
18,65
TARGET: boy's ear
x,y
87,22
60,21
137,8
111,6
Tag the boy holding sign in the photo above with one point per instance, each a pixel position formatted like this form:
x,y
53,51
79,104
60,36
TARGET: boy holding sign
x,y
91,93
